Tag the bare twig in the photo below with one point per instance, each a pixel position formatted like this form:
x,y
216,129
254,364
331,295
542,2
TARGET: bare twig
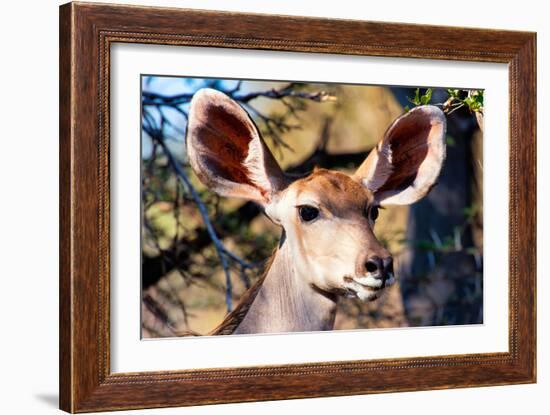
x,y
223,253
158,124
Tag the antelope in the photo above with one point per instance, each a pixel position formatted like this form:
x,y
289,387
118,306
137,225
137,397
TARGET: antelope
x,y
328,248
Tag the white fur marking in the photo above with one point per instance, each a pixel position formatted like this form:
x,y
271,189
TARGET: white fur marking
x,y
254,163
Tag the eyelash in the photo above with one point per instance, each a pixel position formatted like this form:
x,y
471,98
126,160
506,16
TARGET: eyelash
x,y
372,213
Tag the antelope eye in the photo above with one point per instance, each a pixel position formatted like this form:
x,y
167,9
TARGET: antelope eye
x,y
373,213
308,213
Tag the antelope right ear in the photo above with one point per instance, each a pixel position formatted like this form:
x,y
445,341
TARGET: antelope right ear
x,y
227,152
406,163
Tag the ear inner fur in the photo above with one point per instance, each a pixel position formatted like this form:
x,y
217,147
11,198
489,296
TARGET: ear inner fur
x,y
407,161
226,151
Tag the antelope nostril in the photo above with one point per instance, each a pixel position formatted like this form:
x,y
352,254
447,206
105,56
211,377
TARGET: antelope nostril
x,y
380,268
373,265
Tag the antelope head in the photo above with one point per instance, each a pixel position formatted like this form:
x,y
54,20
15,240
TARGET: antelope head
x,y
328,218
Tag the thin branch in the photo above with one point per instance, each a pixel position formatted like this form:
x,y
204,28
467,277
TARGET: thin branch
x,y
158,124
223,252
287,91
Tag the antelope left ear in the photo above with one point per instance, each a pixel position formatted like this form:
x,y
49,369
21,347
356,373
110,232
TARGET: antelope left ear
x,y
407,161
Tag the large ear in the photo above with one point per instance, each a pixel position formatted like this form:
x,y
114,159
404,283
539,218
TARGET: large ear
x,y
226,151
407,161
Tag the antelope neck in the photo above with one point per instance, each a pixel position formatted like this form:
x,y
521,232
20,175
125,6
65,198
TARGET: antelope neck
x,y
286,302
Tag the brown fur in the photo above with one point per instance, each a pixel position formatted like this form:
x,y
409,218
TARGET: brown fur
x,y
235,317
295,292
407,153
337,191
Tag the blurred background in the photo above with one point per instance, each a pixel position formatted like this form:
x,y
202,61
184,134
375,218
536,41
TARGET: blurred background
x,y
201,252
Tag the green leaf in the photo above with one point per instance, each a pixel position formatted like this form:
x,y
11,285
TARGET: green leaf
x,y
425,99
454,93
416,99
475,106
474,100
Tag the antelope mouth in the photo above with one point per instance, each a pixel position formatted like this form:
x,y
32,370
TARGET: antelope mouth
x,y
373,282
367,287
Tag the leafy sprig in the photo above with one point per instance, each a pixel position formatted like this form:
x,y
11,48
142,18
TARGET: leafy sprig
x,y
472,99
420,99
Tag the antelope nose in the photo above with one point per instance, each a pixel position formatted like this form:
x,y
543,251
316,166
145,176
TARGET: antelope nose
x,y
381,268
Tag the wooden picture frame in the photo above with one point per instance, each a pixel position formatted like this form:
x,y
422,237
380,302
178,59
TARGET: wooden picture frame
x,y
86,33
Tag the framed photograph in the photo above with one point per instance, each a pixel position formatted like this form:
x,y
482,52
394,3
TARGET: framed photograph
x,y
260,207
